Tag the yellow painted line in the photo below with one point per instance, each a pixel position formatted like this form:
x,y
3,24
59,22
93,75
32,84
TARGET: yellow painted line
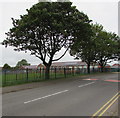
x,y
109,106
105,105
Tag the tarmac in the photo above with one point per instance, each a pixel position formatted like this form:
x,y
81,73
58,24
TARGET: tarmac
x,y
113,111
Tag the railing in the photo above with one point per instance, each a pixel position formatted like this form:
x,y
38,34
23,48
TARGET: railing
x,y
13,77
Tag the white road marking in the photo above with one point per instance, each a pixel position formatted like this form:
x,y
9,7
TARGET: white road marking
x,y
55,94
45,96
86,84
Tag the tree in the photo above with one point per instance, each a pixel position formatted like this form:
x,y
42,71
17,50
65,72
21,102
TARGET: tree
x,y
6,66
107,48
99,48
23,62
86,49
47,28
118,47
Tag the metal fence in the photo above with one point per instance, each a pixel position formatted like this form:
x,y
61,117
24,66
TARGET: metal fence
x,y
13,77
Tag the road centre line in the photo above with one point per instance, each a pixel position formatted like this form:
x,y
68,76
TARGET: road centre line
x,y
86,84
55,94
95,114
45,96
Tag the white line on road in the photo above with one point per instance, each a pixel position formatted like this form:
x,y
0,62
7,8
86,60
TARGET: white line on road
x,y
45,96
86,84
55,94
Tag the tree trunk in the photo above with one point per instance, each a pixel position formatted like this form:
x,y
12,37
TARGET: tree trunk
x,y
102,68
47,72
93,69
88,68
102,64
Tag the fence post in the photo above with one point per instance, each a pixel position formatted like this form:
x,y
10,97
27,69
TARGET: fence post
x,y
16,74
84,70
37,73
55,73
65,72
40,73
73,71
93,69
27,74
79,70
43,73
5,77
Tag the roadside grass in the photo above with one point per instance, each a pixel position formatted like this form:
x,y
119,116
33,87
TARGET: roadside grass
x,y
0,80
10,79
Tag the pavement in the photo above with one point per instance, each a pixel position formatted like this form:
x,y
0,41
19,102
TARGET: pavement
x,y
32,85
80,96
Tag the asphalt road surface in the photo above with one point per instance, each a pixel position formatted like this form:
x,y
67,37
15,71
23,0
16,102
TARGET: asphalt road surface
x,y
76,97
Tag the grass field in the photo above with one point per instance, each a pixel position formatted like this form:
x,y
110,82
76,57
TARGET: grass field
x,y
14,77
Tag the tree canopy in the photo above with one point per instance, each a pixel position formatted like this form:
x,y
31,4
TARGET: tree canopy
x,y
107,48
46,29
6,66
23,62
99,48
86,49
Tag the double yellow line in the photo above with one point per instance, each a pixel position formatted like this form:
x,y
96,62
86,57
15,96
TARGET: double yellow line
x,y
106,106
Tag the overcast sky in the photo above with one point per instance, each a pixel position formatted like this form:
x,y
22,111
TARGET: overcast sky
x,y
104,12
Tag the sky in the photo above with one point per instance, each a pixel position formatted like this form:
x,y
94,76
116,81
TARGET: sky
x,y
104,12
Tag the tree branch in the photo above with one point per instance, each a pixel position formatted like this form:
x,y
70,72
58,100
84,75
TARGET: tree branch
x,y
61,56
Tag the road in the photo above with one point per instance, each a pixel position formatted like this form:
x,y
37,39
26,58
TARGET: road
x,y
76,97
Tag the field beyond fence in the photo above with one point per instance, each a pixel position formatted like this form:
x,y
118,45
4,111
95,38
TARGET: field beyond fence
x,y
20,76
